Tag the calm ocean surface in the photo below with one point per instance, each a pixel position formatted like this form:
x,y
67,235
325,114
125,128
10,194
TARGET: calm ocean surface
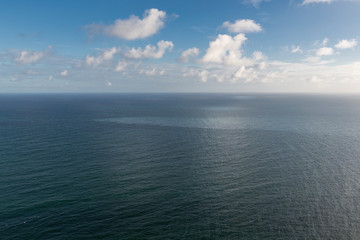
x,y
180,166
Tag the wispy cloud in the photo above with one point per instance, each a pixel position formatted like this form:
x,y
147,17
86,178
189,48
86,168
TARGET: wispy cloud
x,y
255,3
121,66
306,2
29,35
28,57
296,49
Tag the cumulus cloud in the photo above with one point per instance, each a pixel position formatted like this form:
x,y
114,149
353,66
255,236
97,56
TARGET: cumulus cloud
x,y
325,51
150,51
242,26
64,73
233,66
225,50
105,56
305,2
346,44
27,57
189,53
133,27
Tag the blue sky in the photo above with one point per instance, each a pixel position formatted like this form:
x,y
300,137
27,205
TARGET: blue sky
x,y
180,46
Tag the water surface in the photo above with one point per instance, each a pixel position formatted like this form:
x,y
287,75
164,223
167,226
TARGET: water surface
x,y
179,166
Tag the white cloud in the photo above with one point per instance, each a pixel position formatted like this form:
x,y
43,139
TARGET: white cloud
x,y
276,74
312,59
305,2
104,56
242,26
133,27
263,65
27,57
296,49
316,60
258,56
204,75
64,73
325,41
270,77
51,77
233,66
217,77
152,72
189,53
121,66
225,50
345,44
325,51
150,51
246,74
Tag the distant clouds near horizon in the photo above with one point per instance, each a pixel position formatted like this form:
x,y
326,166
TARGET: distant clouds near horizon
x,y
161,50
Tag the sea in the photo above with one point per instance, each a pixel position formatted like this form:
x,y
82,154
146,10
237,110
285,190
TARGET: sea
x,y
179,166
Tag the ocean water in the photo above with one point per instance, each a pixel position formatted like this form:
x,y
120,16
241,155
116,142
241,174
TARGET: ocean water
x,y
179,166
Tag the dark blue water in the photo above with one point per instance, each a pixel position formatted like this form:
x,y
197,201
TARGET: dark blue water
x,y
179,166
